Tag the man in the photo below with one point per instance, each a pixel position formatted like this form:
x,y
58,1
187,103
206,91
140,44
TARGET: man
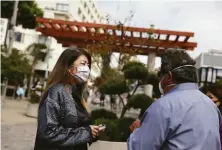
x,y
183,118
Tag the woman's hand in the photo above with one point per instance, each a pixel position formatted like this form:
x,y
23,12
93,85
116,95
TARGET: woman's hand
x,y
95,131
134,125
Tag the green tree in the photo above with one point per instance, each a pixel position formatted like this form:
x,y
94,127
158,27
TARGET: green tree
x,y
27,11
15,67
115,85
140,101
38,53
154,80
133,72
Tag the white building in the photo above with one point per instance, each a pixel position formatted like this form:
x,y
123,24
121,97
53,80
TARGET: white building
x,y
209,66
79,10
210,59
26,37
88,12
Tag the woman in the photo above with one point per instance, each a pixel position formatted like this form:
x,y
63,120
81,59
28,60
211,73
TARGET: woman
x,y
63,121
214,92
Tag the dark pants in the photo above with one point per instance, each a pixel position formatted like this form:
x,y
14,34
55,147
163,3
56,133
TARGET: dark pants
x,y
102,102
20,96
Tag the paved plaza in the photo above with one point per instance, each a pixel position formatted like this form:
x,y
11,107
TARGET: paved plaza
x,y
18,131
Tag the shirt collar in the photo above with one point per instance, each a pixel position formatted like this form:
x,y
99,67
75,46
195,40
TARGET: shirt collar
x,y
185,86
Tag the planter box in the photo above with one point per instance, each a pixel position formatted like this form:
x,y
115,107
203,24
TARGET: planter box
x,y
32,110
107,145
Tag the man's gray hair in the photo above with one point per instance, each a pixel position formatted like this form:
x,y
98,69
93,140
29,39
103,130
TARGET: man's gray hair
x,y
173,58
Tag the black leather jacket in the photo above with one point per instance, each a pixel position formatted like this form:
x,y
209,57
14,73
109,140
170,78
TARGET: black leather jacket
x,y
63,123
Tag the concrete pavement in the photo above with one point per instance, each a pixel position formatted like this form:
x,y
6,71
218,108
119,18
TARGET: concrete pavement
x,y
18,131
13,112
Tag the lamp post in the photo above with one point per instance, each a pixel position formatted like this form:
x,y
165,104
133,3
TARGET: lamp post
x,y
11,40
12,31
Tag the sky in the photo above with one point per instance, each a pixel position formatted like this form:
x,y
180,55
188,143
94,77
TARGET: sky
x,y
204,18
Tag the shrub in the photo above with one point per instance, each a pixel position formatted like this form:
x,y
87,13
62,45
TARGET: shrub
x,y
102,113
114,86
110,133
135,70
116,130
34,98
141,101
123,129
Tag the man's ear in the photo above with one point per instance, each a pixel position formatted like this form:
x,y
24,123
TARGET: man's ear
x,y
170,76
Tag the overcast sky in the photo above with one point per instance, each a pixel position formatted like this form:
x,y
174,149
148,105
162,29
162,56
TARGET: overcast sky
x,y
204,18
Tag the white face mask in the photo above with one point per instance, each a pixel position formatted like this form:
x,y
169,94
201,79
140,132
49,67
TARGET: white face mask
x,y
160,86
83,72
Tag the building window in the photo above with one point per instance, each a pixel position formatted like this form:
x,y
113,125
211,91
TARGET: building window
x,y
85,5
62,7
42,39
18,37
93,6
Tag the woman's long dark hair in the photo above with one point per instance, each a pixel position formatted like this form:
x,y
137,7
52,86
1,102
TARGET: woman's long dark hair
x,y
60,73
215,90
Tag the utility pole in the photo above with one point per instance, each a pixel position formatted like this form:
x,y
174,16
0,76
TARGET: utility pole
x,y
12,30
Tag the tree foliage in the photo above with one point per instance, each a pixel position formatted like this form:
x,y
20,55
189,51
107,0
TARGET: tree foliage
x,y
27,11
140,101
116,129
114,86
15,67
219,82
38,52
119,84
135,70
102,113
154,80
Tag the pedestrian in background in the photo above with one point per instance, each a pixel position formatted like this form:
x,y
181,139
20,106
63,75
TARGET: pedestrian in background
x,y
19,92
102,99
213,91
